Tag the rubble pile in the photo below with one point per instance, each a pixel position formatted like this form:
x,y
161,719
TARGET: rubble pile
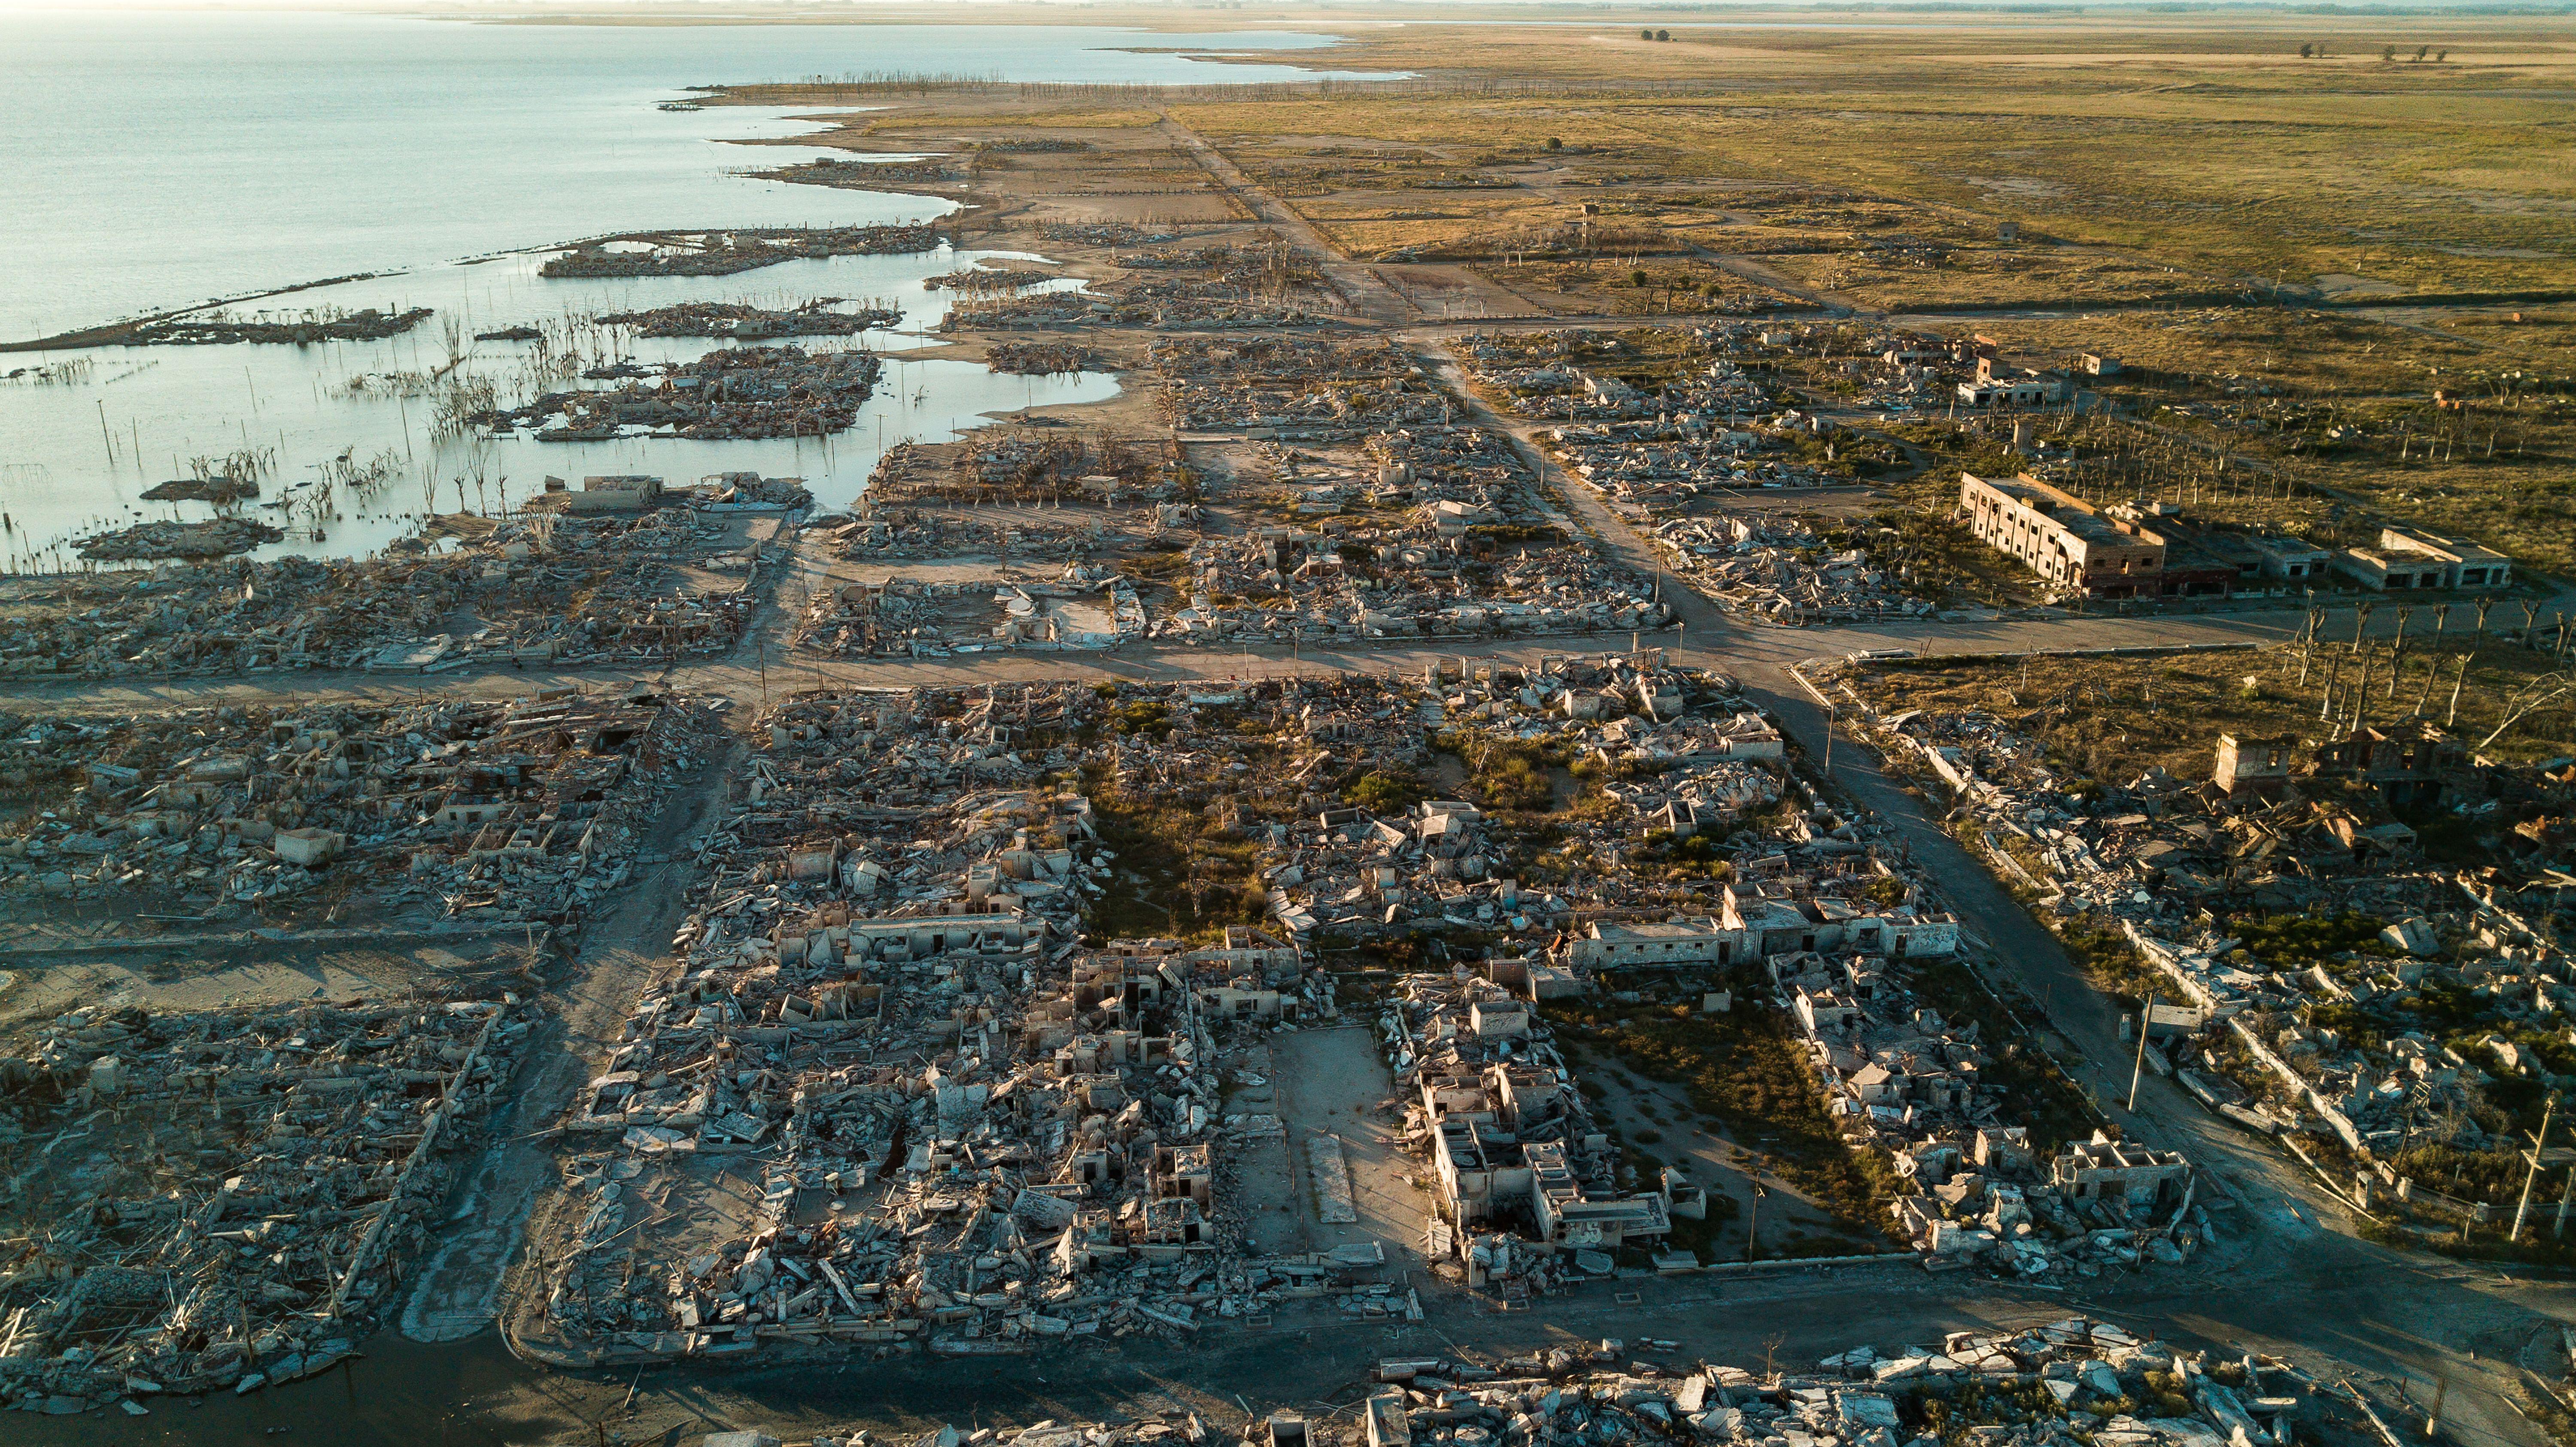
x,y
1655,445
1362,872
218,1199
2300,941
1259,261
725,491
2056,1385
1908,1083
743,322
1177,304
223,328
2049,1386
1085,607
722,253
891,533
985,281
215,489
1820,907
145,542
1565,375
1098,233
959,1124
1044,359
1421,531
856,175
477,811
1017,462
1280,583
1780,570
1294,386
731,393
1493,1101
565,589
1211,289
1666,464
1034,465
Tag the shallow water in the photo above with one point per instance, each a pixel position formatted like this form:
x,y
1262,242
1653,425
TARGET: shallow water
x,y
80,455
169,157
160,158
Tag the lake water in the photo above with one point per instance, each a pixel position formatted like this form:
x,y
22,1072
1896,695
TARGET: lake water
x,y
158,159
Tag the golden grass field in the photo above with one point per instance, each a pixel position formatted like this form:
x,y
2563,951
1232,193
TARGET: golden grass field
x,y
2111,719
2190,195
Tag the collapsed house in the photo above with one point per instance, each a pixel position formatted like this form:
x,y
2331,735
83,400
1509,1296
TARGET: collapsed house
x,y
1248,281
1294,387
1086,607
1781,570
633,585
743,392
467,811
219,1198
1663,447
2199,877
970,1129
1511,1141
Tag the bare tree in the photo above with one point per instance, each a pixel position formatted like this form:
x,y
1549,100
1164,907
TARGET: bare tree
x,y
2529,697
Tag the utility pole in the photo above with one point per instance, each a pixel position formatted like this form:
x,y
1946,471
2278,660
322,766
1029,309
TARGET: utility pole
x,y
2534,1173
1831,712
1753,1229
2140,1068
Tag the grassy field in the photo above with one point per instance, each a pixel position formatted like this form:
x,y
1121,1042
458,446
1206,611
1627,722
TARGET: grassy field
x,y
2137,162
2203,202
1748,1072
2113,718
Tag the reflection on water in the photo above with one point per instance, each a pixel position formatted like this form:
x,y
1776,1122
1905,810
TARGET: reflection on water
x,y
160,157
89,432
